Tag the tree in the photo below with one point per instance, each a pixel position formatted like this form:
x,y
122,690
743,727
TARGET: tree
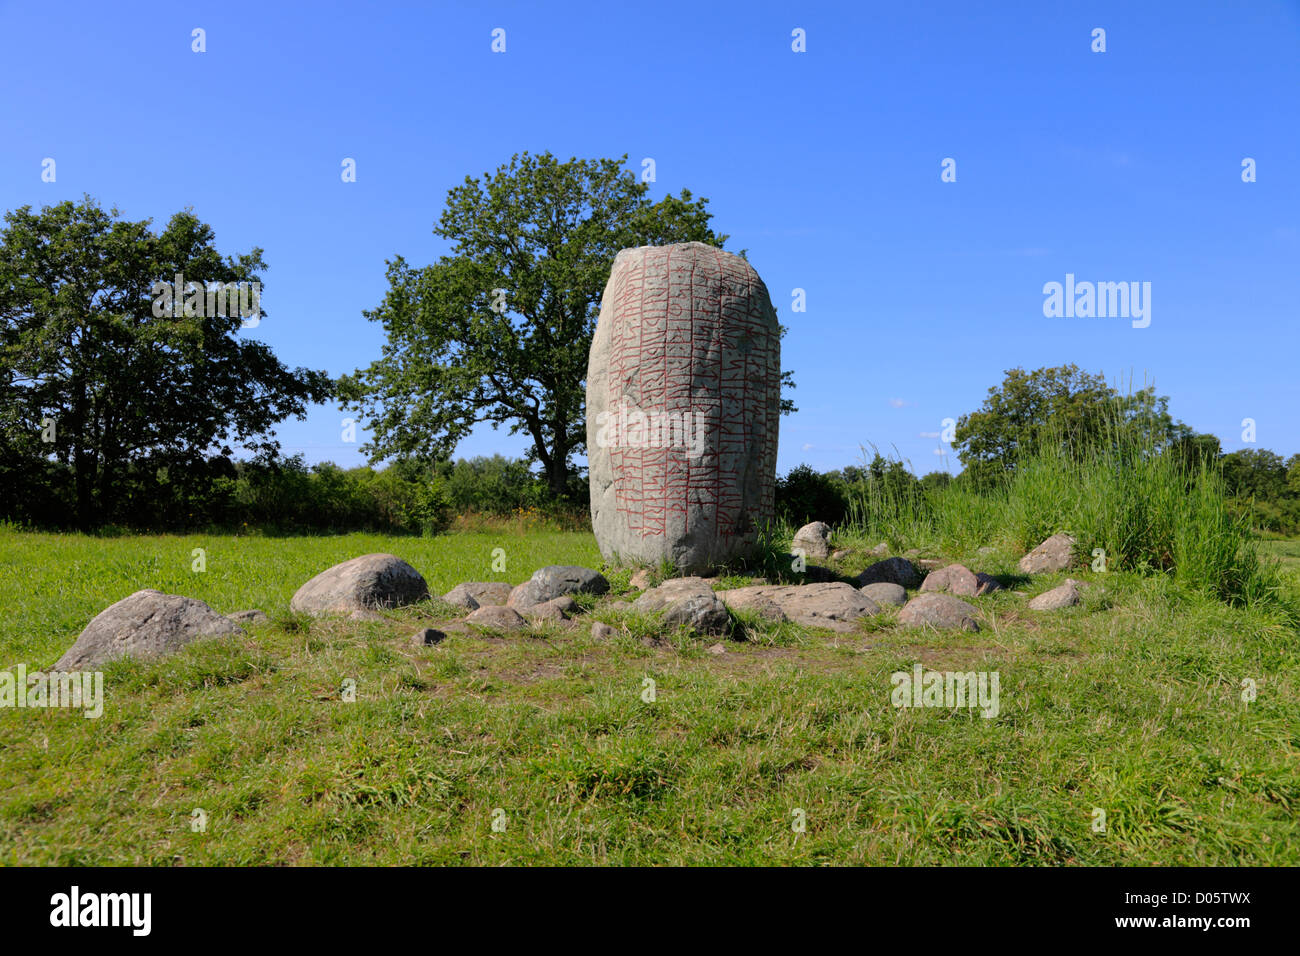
x,y
500,330
1072,408
106,382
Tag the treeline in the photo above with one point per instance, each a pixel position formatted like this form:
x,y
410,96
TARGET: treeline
x,y
289,496
1259,484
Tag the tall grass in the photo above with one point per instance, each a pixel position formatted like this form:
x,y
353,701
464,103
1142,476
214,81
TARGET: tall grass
x,y
1140,507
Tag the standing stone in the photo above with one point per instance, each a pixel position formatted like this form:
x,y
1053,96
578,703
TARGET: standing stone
x,y
683,398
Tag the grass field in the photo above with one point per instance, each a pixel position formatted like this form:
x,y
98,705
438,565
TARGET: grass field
x,y
1130,703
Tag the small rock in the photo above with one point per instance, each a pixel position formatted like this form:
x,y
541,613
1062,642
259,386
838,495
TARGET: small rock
x,y
1054,554
554,581
495,617
717,649
839,555
546,611
642,579
370,581
361,614
986,583
880,550
427,637
953,579
475,594
939,610
145,624
930,564
813,540
689,602
883,592
898,571
601,631
1064,595
253,616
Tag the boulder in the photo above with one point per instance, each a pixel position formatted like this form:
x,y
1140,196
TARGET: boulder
x,y
144,624
370,581
496,617
883,592
898,571
427,637
475,594
546,611
601,631
1064,595
986,583
683,403
939,610
834,606
814,540
953,579
1054,554
688,602
555,581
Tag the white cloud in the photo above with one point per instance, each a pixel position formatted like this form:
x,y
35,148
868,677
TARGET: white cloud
x,y
927,434
896,403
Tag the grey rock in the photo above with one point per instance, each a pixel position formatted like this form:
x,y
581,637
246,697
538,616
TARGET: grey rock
x,y
883,592
880,550
686,334
253,616
688,602
953,579
427,637
1054,554
546,611
601,631
939,610
814,540
839,555
717,649
1061,596
898,571
835,606
364,583
641,579
555,581
496,617
145,624
986,583
475,594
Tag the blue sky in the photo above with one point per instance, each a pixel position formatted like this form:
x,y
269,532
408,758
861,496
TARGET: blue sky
x,y
824,165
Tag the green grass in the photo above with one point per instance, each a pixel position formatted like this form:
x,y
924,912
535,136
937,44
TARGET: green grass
x,y
1130,703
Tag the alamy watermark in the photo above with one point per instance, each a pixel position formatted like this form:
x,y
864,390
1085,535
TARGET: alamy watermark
x,y
1102,300
75,690
190,299
951,689
630,427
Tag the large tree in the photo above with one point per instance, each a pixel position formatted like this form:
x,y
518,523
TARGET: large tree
x,y
94,377
499,330
1075,409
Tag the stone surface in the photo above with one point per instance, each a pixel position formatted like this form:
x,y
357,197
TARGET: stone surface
x,y
496,617
814,540
687,335
834,606
688,602
986,583
839,555
641,579
427,637
953,579
717,649
253,616
475,594
144,624
602,631
546,611
939,610
1064,595
898,571
880,550
364,583
554,581
1054,554
883,592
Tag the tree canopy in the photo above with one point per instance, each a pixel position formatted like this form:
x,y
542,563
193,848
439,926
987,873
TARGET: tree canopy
x,y
500,329
91,376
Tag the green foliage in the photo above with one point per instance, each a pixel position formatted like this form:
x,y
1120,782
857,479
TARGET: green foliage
x,y
805,495
120,388
1066,405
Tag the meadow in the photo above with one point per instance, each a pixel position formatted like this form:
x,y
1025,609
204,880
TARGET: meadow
x,y
1127,710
